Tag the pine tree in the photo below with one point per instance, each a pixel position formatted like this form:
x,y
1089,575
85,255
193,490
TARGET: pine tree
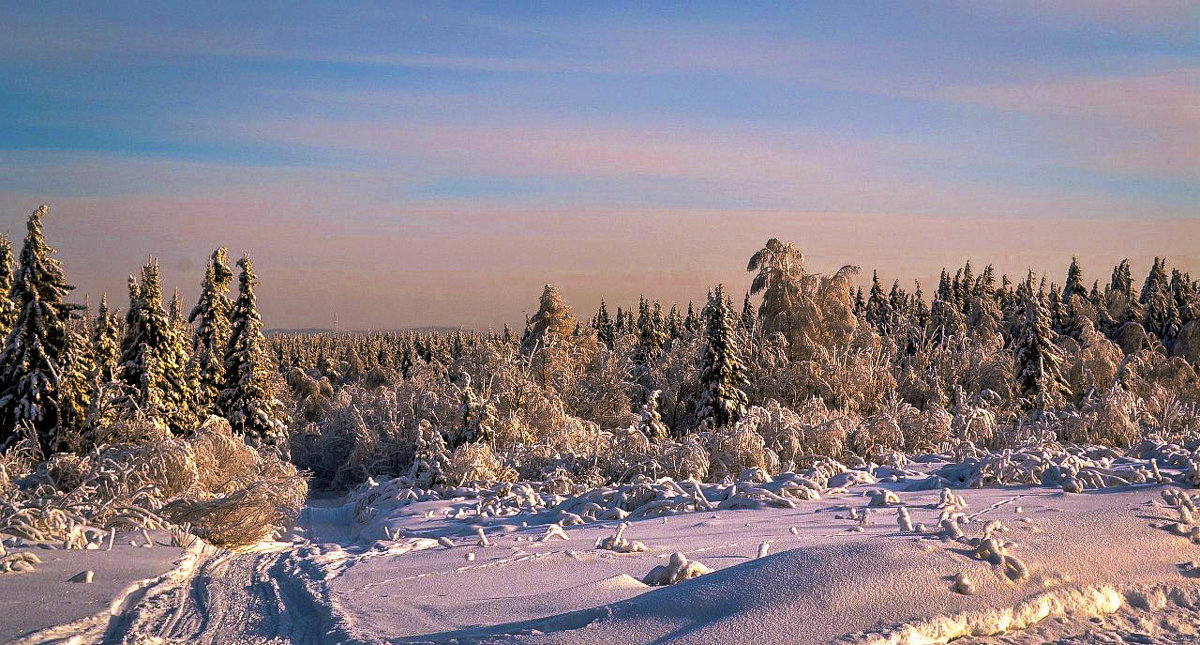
x,y
79,382
8,308
106,343
1039,362
985,286
1121,289
651,423
674,322
154,357
1074,283
1184,293
34,355
211,316
651,329
690,322
248,399
878,312
1159,315
722,377
747,320
605,331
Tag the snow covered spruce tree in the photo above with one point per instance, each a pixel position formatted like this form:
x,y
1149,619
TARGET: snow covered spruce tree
x,y
211,316
34,356
1159,316
78,386
722,400
651,423
248,399
606,332
8,308
154,356
1040,365
106,343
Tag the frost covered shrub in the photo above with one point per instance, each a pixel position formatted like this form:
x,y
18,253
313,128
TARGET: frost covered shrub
x,y
476,462
687,459
1112,419
731,451
229,492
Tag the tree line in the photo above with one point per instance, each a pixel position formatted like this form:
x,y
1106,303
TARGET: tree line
x,y
67,375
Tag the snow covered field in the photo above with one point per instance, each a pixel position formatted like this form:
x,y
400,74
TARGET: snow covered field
x,y
821,556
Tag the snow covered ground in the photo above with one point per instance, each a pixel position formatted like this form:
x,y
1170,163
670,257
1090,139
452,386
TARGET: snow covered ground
x,y
393,565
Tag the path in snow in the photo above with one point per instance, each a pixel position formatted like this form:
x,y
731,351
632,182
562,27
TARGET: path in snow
x,y
1101,568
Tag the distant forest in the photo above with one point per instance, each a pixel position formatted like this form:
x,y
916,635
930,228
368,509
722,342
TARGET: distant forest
x,y
805,365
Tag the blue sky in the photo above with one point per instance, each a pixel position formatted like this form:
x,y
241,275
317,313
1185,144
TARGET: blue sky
x,y
435,163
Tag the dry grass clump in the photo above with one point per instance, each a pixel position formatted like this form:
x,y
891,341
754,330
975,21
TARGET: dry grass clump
x,y
145,485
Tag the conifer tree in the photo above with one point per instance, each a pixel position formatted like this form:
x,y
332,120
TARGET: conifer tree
x,y
1039,361
985,285
79,381
747,320
690,322
651,423
8,308
106,343
605,331
722,377
674,322
154,357
878,312
248,399
211,316
1074,283
920,310
34,356
1183,291
1122,291
1159,316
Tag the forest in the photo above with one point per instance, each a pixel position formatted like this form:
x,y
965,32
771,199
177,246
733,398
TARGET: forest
x,y
159,415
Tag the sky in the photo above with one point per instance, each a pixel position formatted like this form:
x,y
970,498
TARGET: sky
x,y
408,164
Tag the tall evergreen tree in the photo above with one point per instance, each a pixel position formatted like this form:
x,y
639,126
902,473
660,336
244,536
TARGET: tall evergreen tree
x,y
1184,293
1074,283
1040,370
722,377
1122,295
34,356
747,319
154,357
674,322
106,343
1159,315
605,331
79,382
8,308
249,398
211,316
878,312
690,321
